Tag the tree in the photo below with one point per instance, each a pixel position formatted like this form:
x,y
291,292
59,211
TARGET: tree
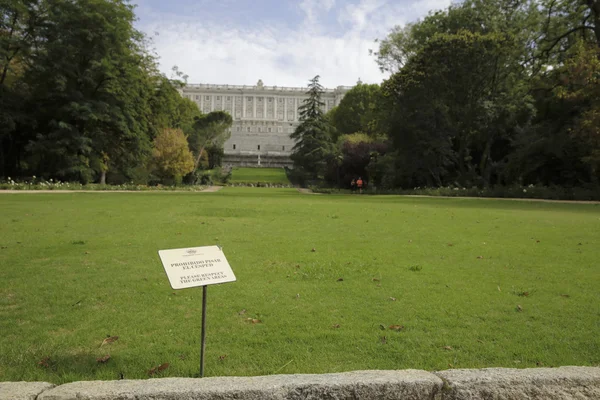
x,y
458,101
359,111
313,148
171,156
210,130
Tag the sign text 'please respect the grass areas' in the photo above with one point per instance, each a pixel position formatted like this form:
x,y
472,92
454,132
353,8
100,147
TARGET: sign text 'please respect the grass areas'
x,y
196,266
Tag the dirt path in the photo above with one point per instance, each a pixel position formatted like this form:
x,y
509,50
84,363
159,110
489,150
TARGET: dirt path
x,y
306,191
212,189
209,189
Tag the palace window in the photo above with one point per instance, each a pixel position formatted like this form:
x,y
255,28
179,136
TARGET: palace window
x,y
282,147
249,129
259,146
239,128
228,98
234,146
218,97
249,99
259,129
207,98
196,97
270,99
269,129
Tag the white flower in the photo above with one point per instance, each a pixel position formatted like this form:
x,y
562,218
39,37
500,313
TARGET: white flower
x,y
524,190
34,177
50,179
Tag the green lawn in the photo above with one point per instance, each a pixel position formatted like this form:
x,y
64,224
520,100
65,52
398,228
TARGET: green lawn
x,y
254,175
474,283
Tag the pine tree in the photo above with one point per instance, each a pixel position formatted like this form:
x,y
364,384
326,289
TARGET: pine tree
x,y
313,141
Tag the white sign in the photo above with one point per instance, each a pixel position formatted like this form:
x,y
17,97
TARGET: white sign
x,y
196,266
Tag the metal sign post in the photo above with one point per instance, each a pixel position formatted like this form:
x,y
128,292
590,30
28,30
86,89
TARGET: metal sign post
x,y
203,334
193,267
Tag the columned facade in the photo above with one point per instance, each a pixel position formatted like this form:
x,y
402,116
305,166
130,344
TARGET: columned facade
x,y
263,118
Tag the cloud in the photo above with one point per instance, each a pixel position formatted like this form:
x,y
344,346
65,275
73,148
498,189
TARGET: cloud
x,y
284,55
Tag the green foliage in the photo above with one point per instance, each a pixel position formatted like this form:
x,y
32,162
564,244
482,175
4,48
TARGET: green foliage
x,y
210,132
83,96
171,157
359,111
314,146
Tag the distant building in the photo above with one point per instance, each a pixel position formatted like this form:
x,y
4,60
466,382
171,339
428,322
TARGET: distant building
x,y
263,118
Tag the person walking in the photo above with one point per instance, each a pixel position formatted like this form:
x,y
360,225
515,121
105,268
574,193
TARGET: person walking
x,y
353,186
359,184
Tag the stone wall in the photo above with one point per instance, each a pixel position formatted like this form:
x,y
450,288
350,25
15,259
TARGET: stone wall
x,y
564,383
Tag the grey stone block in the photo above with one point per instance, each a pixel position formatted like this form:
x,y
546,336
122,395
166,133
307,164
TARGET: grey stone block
x,y
22,390
562,383
396,385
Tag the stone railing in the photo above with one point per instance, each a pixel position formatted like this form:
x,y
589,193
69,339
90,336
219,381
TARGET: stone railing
x,y
564,383
208,86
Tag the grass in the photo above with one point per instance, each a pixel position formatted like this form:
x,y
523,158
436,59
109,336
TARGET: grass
x,y
263,175
462,284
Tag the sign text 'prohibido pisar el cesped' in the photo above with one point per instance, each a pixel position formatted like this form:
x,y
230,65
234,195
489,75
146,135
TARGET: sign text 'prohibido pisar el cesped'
x,y
196,266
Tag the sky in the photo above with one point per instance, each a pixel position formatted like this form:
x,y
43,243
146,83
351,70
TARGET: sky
x,y
282,42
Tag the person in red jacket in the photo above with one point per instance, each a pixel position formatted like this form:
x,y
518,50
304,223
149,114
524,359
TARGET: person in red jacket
x,y
359,184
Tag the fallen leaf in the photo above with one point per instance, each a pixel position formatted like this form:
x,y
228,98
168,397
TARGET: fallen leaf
x,y
539,364
242,312
382,327
152,371
410,241
392,298
108,340
450,244
383,339
447,348
519,308
336,326
297,295
87,252
480,341
162,367
222,357
178,233
376,280
340,279
182,356
499,289
254,320
397,328
479,257
104,359
44,362
313,250
537,241
450,365
565,296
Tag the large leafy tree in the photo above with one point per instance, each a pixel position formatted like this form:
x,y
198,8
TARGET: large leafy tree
x,y
314,147
359,111
457,104
90,88
171,156
210,131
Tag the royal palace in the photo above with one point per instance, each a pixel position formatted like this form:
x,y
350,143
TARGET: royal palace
x,y
263,118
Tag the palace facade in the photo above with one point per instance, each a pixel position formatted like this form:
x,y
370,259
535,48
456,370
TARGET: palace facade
x,y
263,118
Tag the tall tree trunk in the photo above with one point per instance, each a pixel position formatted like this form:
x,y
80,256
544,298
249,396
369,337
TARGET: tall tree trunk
x,y
103,177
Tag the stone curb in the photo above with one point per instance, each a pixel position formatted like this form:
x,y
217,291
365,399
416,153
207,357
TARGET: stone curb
x,y
564,383
384,385
22,390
